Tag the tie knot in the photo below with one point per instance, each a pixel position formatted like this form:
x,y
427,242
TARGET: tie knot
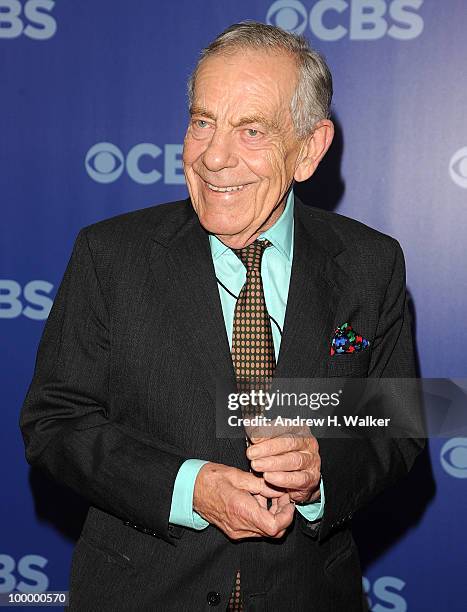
x,y
251,255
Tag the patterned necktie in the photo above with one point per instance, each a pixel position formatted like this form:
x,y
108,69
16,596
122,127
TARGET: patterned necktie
x,y
252,347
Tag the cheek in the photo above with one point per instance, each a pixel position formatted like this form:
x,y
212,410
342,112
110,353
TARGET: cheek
x,y
192,149
259,162
268,163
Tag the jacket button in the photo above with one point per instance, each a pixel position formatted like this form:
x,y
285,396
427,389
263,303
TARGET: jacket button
x,y
213,598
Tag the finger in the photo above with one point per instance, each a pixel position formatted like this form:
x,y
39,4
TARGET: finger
x,y
261,434
246,516
278,503
276,446
273,525
284,517
283,500
274,505
297,481
257,485
287,462
304,496
261,500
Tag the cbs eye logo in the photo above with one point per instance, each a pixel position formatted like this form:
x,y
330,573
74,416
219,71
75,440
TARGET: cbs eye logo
x,y
289,15
333,20
453,457
105,163
458,167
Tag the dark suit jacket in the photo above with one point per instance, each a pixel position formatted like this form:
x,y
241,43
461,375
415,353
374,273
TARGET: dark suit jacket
x,y
124,391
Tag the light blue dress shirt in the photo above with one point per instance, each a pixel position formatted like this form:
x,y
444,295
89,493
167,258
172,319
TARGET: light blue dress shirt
x,y
276,266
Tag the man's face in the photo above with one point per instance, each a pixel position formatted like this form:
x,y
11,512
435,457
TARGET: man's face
x,y
241,137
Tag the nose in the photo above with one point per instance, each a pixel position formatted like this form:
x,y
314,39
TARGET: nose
x,y
219,152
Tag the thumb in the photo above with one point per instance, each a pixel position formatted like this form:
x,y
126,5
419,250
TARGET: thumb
x,y
255,484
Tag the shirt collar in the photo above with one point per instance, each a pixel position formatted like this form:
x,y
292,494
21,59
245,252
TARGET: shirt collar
x,y
279,235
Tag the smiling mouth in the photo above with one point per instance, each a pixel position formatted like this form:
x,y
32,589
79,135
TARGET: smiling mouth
x,y
225,189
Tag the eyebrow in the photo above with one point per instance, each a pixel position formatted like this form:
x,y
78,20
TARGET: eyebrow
x,y
247,120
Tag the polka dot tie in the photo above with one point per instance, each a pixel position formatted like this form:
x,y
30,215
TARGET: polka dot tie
x,y
252,348
252,343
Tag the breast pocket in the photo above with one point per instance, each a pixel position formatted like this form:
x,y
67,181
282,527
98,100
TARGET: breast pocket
x,y
349,364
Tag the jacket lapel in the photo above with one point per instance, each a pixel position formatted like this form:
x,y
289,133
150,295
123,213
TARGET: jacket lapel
x,y
316,285
192,272
192,276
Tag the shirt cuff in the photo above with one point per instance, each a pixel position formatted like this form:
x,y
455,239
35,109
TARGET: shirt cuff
x,y
314,510
181,510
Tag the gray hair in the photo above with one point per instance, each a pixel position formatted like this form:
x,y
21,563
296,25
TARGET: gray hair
x,y
311,100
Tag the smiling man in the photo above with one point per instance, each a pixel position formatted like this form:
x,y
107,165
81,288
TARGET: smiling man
x,y
241,149
240,281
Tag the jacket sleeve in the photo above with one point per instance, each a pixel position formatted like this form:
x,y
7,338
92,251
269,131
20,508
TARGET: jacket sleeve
x,y
65,420
356,469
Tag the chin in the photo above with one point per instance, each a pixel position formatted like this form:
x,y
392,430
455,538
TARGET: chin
x,y
216,223
215,226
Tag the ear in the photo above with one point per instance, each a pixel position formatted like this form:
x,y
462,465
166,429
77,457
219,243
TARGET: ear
x,y
314,149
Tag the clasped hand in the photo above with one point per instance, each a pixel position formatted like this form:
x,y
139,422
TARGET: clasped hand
x,y
236,501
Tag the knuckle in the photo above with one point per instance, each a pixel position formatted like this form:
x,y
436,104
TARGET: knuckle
x,y
307,480
316,470
301,460
313,444
295,460
273,531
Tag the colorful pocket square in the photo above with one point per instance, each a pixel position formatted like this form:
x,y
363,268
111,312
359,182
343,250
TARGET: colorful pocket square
x,y
345,340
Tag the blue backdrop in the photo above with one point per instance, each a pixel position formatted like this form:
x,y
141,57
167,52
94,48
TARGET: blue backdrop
x,y
93,113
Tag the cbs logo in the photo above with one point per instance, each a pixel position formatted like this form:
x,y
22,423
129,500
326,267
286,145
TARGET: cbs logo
x,y
37,305
453,457
35,23
105,163
383,594
458,167
37,581
332,20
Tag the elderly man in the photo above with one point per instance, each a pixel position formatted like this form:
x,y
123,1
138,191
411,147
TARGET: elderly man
x,y
239,280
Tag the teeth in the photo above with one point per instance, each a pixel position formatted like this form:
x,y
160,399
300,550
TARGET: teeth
x,y
235,188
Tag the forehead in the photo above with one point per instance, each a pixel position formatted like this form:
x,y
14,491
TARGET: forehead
x,y
246,81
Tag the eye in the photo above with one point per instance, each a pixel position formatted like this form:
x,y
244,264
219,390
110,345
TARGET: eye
x,y
201,123
252,133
